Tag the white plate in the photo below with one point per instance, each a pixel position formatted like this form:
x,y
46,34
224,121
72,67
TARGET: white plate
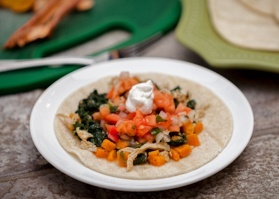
x,y
43,135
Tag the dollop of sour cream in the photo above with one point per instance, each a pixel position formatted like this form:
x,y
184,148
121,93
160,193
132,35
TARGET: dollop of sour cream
x,y
141,97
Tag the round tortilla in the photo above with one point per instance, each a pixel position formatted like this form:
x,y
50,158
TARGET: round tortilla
x,y
218,127
244,27
267,7
261,6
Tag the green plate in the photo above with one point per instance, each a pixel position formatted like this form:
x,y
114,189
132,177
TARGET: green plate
x,y
195,31
141,18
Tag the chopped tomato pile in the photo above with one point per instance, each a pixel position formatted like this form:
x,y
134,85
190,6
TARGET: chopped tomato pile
x,y
169,131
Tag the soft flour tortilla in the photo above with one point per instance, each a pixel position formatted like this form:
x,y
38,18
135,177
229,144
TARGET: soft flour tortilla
x,y
245,27
262,6
216,135
267,7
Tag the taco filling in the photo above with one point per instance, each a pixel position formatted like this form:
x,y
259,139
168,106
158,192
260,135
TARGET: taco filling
x,y
140,124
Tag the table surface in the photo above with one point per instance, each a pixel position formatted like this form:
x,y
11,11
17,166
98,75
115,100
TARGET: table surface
x,y
24,173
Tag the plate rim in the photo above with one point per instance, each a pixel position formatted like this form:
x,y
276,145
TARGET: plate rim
x,y
113,182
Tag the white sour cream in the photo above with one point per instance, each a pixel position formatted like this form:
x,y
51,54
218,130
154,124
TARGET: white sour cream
x,y
141,97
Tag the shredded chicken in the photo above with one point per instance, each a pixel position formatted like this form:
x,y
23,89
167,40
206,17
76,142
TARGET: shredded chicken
x,y
134,152
82,134
67,121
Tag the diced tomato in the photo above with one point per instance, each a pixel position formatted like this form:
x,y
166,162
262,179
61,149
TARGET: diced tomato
x,y
131,128
148,137
112,118
142,130
154,107
182,108
164,100
131,116
127,83
110,93
170,108
118,100
166,124
121,87
127,127
141,140
112,133
121,107
104,110
174,128
150,120
158,99
139,119
121,128
169,105
96,116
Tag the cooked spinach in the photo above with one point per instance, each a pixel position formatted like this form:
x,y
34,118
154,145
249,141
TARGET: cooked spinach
x,y
177,88
94,128
98,134
155,131
140,159
160,119
112,108
191,104
176,102
85,110
177,139
91,104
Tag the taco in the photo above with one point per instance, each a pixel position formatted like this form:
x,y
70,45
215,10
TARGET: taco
x,y
160,147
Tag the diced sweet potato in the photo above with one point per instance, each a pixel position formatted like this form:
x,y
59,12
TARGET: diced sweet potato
x,y
122,158
101,153
183,150
153,153
193,140
156,160
112,155
120,144
198,128
175,155
108,145
188,128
